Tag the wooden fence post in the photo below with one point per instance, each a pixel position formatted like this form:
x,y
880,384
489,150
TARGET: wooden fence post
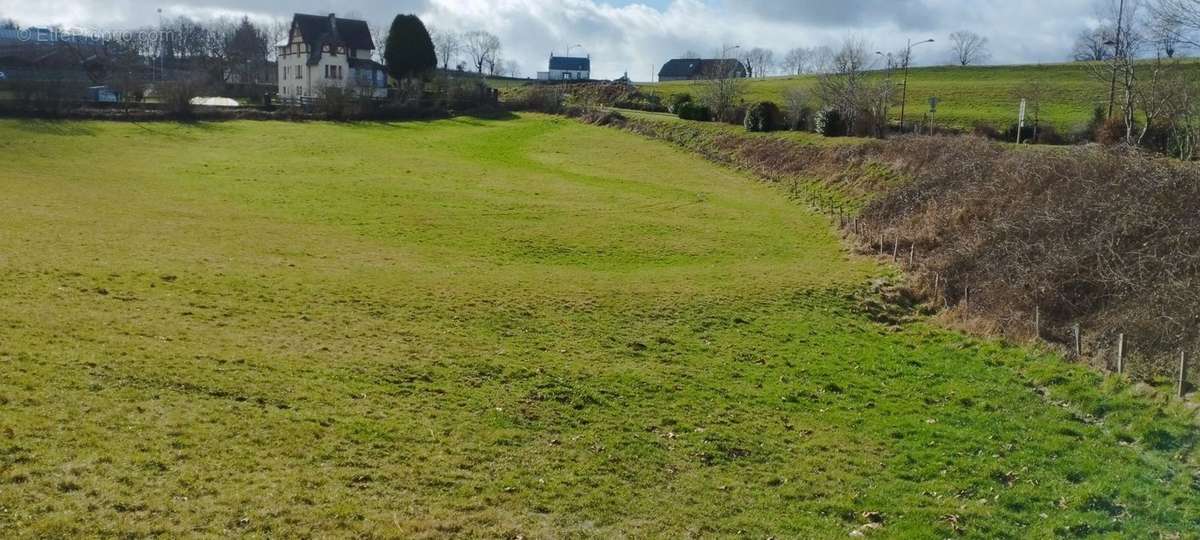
x,y
1182,372
1120,354
896,248
880,244
912,254
1078,340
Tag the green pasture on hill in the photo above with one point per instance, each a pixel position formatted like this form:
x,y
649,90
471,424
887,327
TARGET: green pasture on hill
x,y
510,328
967,95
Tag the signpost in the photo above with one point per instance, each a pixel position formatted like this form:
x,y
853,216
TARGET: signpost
x,y
1021,122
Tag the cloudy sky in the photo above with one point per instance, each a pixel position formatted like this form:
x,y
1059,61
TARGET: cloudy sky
x,y
638,36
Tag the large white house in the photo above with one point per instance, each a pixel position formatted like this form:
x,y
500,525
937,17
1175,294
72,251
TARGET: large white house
x,y
323,51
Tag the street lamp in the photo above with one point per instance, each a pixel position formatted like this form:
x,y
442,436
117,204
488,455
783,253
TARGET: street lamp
x,y
904,94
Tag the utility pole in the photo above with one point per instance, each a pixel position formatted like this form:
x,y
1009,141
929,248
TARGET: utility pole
x,y
908,60
1112,89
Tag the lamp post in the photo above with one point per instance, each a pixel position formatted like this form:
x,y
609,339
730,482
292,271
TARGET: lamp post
x,y
904,93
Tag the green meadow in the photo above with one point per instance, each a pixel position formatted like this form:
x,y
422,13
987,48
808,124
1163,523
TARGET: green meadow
x,y
967,95
507,328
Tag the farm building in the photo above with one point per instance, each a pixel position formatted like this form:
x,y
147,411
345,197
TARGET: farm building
x,y
323,51
690,69
567,68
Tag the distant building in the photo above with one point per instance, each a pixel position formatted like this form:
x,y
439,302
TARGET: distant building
x,y
690,69
323,51
47,54
567,68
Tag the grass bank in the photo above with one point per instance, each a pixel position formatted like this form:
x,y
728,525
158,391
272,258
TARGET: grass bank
x,y
529,327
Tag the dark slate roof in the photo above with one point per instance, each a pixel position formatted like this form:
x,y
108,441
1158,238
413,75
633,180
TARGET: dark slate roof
x,y
359,63
695,67
352,33
567,63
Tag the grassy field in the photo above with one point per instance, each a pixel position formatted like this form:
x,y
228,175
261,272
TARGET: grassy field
x,y
987,94
505,328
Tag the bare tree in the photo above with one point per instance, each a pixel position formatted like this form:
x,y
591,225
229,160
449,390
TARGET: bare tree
x,y
1090,46
758,61
9,24
1172,25
842,88
798,61
379,37
822,59
1179,19
1122,37
723,88
969,48
1034,90
796,102
482,48
448,45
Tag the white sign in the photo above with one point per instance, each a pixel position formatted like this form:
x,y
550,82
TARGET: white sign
x,y
1021,122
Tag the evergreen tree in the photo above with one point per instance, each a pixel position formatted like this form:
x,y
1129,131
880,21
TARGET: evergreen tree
x,y
409,51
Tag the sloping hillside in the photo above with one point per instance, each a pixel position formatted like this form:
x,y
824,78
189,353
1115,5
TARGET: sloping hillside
x,y
521,328
967,95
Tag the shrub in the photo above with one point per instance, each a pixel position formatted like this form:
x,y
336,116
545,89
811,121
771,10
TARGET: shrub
x,y
829,122
762,117
52,97
538,97
1049,135
695,111
1111,131
800,119
675,101
177,95
1028,133
985,130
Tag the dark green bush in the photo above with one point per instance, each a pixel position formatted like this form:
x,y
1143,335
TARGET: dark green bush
x,y
829,122
675,101
762,117
694,111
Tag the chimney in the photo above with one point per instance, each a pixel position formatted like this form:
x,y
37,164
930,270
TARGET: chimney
x,y
333,23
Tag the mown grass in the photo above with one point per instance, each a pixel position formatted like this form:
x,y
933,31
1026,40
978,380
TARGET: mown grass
x,y
504,328
967,95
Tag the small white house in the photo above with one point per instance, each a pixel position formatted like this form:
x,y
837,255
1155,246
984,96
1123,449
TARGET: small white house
x,y
566,68
321,51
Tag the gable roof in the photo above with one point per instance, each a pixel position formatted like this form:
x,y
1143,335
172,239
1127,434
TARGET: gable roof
x,y
316,29
567,63
695,67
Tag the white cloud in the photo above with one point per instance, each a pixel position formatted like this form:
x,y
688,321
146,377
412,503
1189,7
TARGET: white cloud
x,y
637,37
